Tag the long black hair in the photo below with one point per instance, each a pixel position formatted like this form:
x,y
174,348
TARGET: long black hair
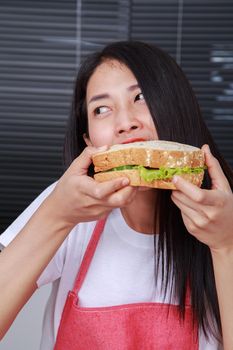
x,y
177,117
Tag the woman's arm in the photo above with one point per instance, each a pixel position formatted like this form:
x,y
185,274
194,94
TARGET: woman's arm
x,y
223,271
76,198
22,262
208,215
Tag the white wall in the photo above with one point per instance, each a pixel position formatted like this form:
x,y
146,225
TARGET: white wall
x,y
25,332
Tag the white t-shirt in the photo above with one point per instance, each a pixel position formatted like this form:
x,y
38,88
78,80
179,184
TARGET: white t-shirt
x,y
121,271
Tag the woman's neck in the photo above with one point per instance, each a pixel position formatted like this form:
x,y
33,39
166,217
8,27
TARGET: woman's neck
x,y
140,213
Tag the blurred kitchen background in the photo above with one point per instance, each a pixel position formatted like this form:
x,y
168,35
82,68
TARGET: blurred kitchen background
x,y
42,43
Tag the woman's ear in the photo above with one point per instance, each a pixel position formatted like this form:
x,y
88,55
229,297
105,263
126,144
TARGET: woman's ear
x,y
87,140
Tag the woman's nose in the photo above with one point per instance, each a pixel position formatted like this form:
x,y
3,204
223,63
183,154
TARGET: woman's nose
x,y
128,129
127,122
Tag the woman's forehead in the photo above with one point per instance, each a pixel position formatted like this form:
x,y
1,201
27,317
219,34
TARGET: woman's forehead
x,y
108,74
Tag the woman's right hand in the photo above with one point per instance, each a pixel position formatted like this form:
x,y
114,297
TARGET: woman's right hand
x,y
78,197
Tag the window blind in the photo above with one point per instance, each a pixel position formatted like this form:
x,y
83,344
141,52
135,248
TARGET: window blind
x,y
41,46
199,35
103,22
207,58
37,64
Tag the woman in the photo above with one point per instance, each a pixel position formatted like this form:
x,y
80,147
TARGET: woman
x,y
160,275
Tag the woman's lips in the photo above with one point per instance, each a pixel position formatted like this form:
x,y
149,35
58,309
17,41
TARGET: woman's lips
x,y
138,139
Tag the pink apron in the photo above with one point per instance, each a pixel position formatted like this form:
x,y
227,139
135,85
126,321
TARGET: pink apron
x,y
135,326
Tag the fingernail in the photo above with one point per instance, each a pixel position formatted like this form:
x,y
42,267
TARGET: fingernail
x,y
125,182
175,179
207,147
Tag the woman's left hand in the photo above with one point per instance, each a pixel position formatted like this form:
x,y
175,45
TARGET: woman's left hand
x,y
207,214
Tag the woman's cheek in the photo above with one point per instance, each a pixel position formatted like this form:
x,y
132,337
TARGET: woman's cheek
x,y
100,135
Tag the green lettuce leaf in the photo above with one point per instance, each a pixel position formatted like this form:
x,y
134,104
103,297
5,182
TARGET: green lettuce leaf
x,y
149,174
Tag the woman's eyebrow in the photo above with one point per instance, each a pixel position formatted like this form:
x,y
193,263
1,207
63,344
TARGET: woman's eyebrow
x,y
133,87
105,95
98,97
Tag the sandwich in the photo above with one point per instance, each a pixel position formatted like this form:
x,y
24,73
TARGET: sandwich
x,y
150,163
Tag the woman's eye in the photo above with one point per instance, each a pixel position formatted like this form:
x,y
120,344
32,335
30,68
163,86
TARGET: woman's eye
x,y
139,97
101,110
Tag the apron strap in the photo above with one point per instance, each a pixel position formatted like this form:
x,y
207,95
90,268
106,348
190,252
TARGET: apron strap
x,y
90,251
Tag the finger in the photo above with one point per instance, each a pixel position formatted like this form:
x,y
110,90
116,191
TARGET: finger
x,y
187,201
100,190
122,197
198,219
192,228
82,163
194,193
204,210
217,176
116,199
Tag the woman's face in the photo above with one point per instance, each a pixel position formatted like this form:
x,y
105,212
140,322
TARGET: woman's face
x,y
117,111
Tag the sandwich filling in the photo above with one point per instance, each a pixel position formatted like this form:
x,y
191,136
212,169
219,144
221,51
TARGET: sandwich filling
x,y
149,174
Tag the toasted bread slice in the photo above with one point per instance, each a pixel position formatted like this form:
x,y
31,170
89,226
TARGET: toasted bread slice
x,y
153,154
136,180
